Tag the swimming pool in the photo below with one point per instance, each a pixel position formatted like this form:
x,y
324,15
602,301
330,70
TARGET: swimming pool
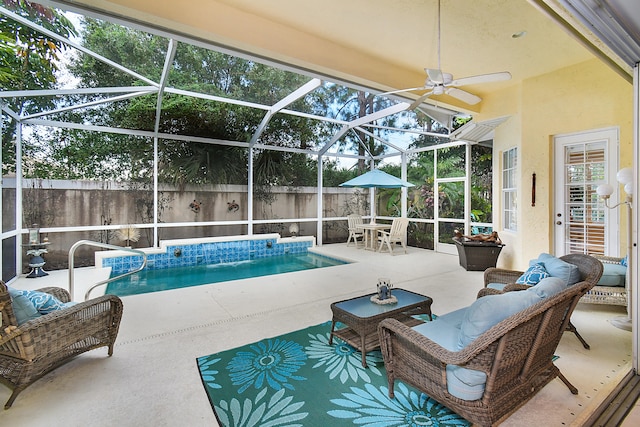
x,y
154,280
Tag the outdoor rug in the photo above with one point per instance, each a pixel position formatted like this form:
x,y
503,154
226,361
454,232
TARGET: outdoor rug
x,y
298,379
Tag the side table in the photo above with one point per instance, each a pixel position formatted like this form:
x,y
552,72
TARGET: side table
x,y
36,262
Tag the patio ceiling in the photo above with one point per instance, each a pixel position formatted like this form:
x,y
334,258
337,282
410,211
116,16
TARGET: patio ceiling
x,y
379,44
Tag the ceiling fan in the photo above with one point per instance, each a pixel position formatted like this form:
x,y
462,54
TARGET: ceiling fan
x,y
439,83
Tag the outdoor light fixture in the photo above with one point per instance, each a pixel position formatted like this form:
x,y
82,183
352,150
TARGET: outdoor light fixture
x,y
625,178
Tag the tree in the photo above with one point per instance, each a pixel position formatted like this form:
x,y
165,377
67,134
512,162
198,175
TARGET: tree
x,y
28,60
348,104
204,71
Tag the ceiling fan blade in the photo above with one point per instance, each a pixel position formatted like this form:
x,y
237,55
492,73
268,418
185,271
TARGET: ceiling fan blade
x,y
403,90
435,75
463,96
482,78
419,101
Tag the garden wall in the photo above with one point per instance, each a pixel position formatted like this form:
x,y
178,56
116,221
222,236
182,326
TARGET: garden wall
x,y
59,203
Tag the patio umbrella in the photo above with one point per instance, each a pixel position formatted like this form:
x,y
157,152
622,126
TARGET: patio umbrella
x,y
376,178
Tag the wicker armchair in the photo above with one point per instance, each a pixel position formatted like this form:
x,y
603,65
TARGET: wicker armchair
x,y
516,355
38,346
590,271
611,295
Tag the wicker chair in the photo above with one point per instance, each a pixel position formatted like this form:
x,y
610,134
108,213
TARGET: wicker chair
x,y
515,354
610,295
590,271
38,346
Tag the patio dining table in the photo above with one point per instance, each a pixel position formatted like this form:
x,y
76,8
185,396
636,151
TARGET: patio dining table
x,y
371,234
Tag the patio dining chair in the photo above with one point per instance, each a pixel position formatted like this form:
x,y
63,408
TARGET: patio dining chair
x,y
355,232
397,234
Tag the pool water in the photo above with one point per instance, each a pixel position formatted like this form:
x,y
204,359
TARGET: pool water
x,y
154,280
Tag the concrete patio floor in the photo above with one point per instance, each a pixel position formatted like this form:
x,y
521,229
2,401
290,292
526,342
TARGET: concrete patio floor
x,y
152,378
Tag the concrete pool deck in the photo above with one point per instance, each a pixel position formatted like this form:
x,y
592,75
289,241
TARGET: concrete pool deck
x,y
152,378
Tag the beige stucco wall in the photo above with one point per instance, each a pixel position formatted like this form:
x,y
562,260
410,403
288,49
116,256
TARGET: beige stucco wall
x,y
584,97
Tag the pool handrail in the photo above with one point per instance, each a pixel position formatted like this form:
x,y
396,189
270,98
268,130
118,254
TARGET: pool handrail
x,y
79,243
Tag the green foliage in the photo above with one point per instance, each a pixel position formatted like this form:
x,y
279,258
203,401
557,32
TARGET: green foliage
x,y
27,57
333,176
28,61
75,154
481,183
348,105
450,195
204,71
138,51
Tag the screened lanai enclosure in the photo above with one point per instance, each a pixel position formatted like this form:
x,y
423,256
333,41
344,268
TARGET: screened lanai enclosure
x,y
124,135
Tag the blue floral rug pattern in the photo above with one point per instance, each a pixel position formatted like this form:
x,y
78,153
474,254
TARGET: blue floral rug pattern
x,y
298,379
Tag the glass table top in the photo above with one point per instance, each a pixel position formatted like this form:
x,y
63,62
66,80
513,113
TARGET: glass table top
x,y
364,307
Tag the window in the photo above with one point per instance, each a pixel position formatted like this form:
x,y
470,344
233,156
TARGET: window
x,y
509,189
585,225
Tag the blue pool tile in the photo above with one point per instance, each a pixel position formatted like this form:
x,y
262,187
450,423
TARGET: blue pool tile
x,y
209,253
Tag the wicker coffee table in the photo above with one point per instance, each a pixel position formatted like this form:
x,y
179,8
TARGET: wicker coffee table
x,y
361,317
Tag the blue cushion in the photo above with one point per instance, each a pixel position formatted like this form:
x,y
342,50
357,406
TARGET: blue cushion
x,y
43,302
533,275
23,309
498,286
548,287
613,275
625,261
490,310
441,332
454,318
559,268
485,312
463,383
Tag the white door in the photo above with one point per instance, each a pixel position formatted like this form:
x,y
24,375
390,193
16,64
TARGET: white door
x,y
582,223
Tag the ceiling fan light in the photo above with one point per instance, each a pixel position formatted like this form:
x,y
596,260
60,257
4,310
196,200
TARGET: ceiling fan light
x,y
438,90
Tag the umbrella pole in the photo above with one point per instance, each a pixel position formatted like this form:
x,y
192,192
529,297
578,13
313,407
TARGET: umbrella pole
x,y
372,202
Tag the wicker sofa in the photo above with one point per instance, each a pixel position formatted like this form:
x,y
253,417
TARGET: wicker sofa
x,y
30,350
514,356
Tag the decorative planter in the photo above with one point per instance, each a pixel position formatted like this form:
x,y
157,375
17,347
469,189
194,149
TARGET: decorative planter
x,y
477,256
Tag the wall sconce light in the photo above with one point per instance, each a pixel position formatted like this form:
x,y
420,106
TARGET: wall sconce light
x,y
625,178
294,229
